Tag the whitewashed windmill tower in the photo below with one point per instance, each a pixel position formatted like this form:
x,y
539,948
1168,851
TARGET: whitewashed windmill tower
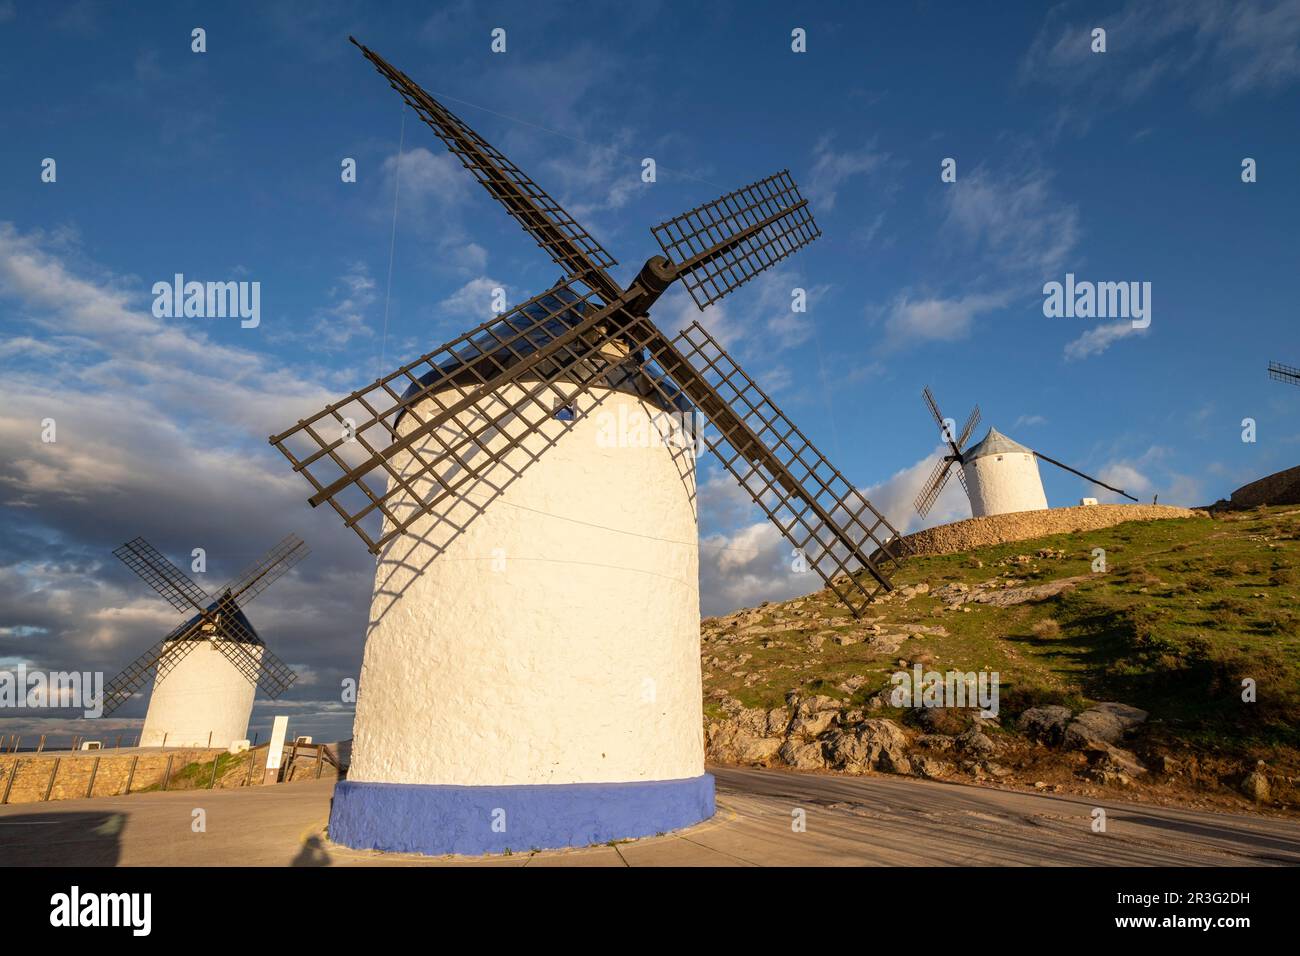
x,y
998,474
208,669
531,671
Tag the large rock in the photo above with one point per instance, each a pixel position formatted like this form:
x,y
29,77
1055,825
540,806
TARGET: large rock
x,y
756,750
876,744
976,743
813,725
751,721
1046,723
1104,723
778,721
802,756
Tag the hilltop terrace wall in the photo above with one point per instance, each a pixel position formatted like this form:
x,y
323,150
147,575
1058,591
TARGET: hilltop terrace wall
x,y
1021,526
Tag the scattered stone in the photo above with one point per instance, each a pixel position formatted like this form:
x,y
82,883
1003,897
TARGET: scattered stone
x,y
816,704
1255,785
931,767
1110,765
852,685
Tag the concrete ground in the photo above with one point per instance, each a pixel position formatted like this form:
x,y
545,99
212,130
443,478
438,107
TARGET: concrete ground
x,y
849,821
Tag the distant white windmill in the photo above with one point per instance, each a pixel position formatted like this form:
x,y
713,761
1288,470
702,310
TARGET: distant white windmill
x,y
998,474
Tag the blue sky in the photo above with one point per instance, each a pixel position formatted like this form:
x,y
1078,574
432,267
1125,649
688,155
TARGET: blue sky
x,y
1115,166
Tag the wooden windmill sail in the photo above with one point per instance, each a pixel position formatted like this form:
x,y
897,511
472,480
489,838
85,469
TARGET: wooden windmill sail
x,y
580,332
1283,373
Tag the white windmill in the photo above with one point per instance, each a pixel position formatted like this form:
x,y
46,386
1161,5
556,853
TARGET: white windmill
x,y
998,474
207,670
531,671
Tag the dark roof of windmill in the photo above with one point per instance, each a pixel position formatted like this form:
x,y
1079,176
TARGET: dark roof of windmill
x,y
995,443
239,618
536,334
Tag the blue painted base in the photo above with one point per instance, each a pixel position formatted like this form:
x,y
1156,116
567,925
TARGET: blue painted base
x,y
434,819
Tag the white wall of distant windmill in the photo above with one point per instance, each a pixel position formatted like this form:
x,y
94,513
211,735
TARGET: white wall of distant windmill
x,y
555,640
1002,477
204,694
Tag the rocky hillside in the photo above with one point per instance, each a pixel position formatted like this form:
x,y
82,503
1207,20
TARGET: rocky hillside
x,y
1125,672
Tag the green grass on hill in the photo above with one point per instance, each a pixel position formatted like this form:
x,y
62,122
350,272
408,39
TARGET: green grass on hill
x,y
1186,610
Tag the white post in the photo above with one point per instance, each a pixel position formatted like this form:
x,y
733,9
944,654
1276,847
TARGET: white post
x,y
275,751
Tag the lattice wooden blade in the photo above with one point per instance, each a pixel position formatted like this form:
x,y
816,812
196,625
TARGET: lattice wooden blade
x,y
934,485
838,531
934,411
567,242
390,429
160,659
969,427
161,575
256,579
255,661
1283,373
723,244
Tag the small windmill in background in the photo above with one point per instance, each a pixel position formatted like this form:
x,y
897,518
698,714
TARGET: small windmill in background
x,y
1283,373
203,698
999,475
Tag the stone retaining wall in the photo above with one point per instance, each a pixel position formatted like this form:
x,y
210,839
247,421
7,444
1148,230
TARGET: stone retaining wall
x,y
1021,526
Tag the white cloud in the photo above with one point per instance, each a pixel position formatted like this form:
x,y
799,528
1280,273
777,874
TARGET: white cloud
x,y
473,300
426,179
831,170
916,321
1016,221
1025,421
1225,48
1099,338
346,318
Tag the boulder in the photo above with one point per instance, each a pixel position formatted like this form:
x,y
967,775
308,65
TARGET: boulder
x,y
751,721
778,721
1045,723
756,750
813,724
1105,723
975,742
802,756
876,744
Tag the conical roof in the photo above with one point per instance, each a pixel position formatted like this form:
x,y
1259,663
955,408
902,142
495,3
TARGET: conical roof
x,y
995,443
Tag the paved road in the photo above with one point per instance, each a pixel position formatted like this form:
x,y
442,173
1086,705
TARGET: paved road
x,y
849,821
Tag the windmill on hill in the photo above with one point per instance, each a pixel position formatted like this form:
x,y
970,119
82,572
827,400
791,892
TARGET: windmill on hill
x,y
999,475
208,669
535,618
1283,373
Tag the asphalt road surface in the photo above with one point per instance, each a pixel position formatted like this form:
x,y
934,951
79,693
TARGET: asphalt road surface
x,y
848,821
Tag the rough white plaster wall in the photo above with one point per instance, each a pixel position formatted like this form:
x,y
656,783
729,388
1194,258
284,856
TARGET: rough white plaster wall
x,y
577,658
1001,484
203,694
